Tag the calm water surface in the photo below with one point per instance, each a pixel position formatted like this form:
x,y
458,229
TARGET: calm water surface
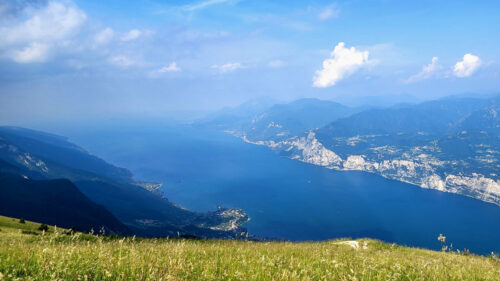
x,y
289,199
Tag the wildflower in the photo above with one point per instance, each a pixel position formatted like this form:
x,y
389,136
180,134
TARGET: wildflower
x,y
442,238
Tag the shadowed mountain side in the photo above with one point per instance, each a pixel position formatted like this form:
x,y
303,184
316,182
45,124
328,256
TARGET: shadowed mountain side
x,y
144,212
57,202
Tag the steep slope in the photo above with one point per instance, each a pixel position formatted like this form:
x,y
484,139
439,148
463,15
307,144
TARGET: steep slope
x,y
144,212
57,202
451,145
70,159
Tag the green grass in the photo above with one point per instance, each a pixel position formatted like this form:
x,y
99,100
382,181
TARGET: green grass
x,y
58,256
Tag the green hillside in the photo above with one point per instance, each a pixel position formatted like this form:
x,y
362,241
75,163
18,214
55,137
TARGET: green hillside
x,y
28,254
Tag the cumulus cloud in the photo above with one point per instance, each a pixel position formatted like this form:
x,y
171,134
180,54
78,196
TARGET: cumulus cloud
x,y
104,36
275,64
121,61
31,35
342,63
56,21
228,67
468,66
330,12
427,71
132,35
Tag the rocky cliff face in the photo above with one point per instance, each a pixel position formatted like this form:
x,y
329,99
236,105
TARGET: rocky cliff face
x,y
451,145
418,165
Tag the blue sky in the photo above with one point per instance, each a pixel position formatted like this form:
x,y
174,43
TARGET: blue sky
x,y
68,59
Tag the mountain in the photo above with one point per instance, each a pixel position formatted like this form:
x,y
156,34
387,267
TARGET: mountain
x,y
67,159
432,117
377,101
57,202
42,156
281,121
451,144
230,117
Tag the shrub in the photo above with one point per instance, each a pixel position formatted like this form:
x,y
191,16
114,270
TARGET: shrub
x,y
21,221
43,227
71,231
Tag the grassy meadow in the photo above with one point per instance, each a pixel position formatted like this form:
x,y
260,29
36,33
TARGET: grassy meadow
x,y
27,253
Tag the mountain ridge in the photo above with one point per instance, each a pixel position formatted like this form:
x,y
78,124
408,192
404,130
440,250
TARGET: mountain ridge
x,y
426,144
144,212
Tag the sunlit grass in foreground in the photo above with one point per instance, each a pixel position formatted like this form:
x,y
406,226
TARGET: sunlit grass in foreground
x,y
55,255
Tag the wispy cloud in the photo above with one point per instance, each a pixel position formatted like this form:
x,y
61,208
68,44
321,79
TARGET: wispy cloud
x,y
330,12
104,37
35,52
467,66
131,35
228,67
121,61
427,71
276,64
342,63
204,4
172,67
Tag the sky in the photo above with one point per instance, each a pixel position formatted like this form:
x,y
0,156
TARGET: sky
x,y
63,59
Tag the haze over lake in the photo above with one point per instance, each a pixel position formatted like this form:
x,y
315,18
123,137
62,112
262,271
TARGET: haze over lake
x,y
288,199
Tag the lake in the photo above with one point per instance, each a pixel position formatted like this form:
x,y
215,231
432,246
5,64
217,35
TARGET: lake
x,y
288,199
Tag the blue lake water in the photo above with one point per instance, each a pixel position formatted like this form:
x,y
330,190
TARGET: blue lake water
x,y
289,199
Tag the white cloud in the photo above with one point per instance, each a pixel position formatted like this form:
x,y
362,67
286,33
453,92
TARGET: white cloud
x,y
343,62
31,36
228,67
427,71
276,64
203,4
132,35
56,21
330,12
121,61
35,52
468,66
104,36
172,67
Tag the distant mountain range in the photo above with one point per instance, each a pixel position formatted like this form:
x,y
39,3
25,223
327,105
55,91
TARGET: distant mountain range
x,y
45,178
451,144
278,121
